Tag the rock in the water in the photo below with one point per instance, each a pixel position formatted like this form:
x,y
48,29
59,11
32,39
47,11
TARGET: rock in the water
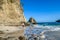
x,y
58,21
32,20
11,12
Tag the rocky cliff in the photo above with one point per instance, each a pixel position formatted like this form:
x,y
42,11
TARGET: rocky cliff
x,y
11,12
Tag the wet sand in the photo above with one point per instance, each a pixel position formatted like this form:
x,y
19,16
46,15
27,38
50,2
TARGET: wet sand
x,y
53,35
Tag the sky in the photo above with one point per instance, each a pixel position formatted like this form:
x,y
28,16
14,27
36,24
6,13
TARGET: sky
x,y
42,10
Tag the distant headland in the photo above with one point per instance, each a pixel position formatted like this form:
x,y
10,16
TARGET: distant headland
x,y
58,20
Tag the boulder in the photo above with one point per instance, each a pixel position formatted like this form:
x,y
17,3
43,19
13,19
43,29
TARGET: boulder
x,y
32,20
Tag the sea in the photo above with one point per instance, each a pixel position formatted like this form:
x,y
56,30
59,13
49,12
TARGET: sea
x,y
43,31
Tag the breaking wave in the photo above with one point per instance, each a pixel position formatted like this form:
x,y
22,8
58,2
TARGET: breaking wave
x,y
46,32
50,32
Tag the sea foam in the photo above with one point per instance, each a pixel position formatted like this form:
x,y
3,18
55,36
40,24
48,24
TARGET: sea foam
x,y
45,32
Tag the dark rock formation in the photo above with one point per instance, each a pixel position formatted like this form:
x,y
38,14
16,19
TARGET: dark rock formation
x,y
21,38
32,20
58,21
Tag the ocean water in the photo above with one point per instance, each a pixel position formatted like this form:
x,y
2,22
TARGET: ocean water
x,y
43,31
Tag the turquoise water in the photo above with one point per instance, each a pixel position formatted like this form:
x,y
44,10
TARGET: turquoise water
x,y
49,23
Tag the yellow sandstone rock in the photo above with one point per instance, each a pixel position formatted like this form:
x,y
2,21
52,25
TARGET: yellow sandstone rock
x,y
11,12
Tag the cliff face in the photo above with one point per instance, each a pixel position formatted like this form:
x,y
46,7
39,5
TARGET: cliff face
x,y
11,12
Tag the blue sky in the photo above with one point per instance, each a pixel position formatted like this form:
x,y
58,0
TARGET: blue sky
x,y
42,10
